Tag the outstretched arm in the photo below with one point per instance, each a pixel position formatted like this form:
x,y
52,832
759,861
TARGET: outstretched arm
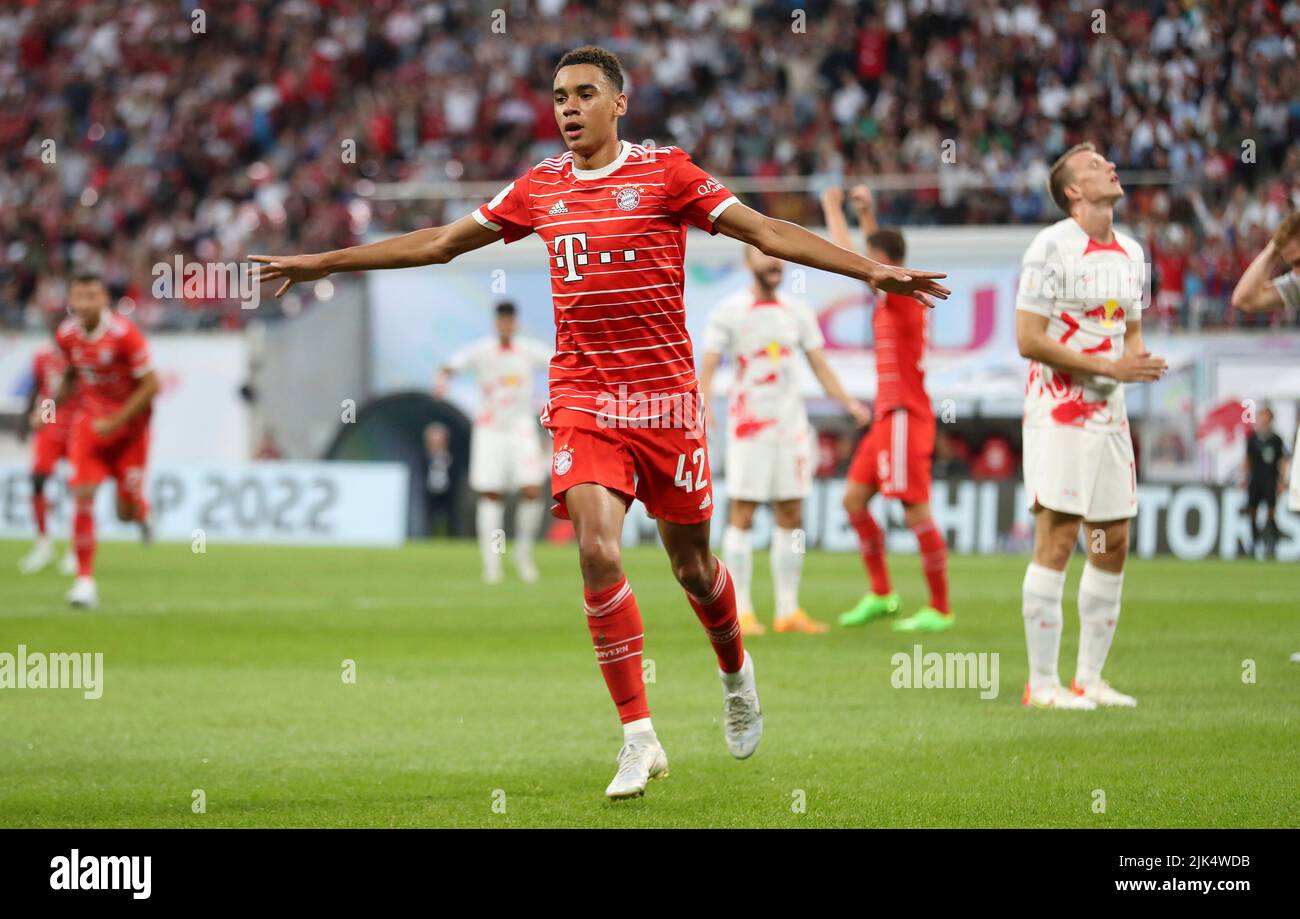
x,y
433,246
791,242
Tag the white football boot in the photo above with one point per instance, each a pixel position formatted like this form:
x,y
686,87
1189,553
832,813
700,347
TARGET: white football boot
x,y
1103,693
68,564
83,594
41,555
1056,697
641,760
742,721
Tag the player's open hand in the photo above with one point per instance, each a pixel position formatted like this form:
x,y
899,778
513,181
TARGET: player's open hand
x,y
292,269
1139,368
910,283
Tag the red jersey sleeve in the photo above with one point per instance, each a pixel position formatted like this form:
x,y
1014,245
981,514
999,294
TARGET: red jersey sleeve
x,y
509,213
63,338
135,352
693,195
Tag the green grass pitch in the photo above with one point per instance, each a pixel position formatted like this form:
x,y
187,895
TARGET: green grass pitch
x,y
223,672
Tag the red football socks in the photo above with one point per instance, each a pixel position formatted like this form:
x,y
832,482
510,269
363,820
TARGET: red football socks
x,y
717,613
83,536
871,542
934,562
40,504
615,623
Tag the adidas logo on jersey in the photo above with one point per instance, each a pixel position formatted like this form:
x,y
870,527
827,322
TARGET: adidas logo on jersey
x,y
707,502
559,208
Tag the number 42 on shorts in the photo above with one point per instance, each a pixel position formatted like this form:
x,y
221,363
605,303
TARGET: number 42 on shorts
x,y
685,478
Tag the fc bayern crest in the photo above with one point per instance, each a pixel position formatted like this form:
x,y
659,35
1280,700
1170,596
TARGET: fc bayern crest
x,y
627,198
563,461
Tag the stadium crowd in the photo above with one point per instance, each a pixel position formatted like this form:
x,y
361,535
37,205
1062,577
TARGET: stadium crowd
x,y
140,131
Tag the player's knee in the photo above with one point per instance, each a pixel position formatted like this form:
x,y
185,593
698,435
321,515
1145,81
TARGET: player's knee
x,y
914,515
1113,549
692,572
600,559
741,516
857,497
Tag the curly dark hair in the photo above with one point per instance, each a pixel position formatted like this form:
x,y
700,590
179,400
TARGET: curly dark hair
x,y
607,61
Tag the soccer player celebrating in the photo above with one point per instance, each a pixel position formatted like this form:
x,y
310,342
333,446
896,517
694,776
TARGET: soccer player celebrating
x,y
613,216
505,453
894,458
1078,322
108,363
51,426
769,439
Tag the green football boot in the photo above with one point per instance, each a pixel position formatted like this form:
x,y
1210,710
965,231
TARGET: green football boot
x,y
926,619
871,606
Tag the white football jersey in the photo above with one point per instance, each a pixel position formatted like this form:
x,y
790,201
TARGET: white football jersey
x,y
1288,288
1088,292
765,339
505,376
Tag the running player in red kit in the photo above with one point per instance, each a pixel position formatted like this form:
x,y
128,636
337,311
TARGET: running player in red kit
x,y
613,216
894,458
108,363
52,428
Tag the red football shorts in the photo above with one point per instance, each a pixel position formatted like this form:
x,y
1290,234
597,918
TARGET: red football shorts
x,y
120,456
49,445
894,457
666,469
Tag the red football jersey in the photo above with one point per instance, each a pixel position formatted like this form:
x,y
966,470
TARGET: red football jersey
x,y
616,243
899,325
109,363
48,367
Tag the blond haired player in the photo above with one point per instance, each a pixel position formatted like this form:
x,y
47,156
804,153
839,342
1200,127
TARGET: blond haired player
x,y
1078,322
769,438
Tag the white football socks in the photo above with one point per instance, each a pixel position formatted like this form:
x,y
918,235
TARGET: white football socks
x,y
1041,608
641,726
489,518
738,556
787,566
1099,594
528,519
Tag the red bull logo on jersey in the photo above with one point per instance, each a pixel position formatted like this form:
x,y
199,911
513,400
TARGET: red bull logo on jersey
x,y
1107,313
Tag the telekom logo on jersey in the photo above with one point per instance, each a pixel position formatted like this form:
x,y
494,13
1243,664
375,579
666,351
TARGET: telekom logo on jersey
x,y
571,254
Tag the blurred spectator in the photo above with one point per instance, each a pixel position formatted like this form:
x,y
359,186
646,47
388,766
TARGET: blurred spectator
x,y
129,136
951,457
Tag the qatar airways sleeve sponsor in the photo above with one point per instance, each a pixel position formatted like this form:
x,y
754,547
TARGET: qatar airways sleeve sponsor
x,y
693,195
